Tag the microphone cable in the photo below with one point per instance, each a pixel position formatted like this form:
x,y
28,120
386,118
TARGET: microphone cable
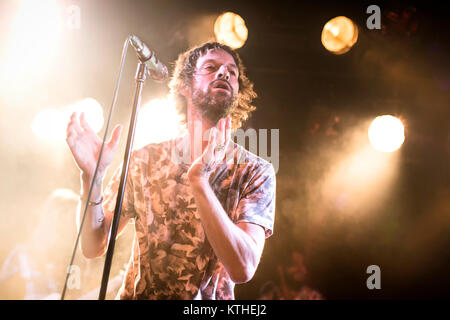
x,y
116,91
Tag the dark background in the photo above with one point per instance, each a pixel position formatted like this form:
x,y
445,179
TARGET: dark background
x,y
402,69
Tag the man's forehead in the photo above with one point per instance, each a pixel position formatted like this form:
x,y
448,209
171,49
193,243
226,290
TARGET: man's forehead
x,y
216,54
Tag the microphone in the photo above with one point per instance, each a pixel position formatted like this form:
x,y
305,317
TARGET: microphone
x,y
156,69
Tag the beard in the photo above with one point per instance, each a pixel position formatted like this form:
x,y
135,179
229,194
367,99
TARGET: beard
x,y
214,105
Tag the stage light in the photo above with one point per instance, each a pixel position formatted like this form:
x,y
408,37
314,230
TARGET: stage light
x,y
359,181
158,121
230,29
64,194
35,32
358,178
51,124
93,112
30,48
386,133
339,35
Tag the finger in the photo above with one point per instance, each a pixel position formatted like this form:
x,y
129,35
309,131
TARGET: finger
x,y
209,152
71,132
221,132
72,117
69,140
68,128
84,123
224,139
115,137
73,125
212,139
228,131
226,153
70,135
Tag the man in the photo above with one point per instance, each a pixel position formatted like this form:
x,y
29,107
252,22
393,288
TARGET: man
x,y
200,223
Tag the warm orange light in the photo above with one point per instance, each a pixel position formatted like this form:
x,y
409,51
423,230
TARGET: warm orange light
x,y
230,29
158,120
29,48
51,124
339,35
92,110
386,133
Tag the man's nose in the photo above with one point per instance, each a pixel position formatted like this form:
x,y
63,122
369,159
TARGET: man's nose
x,y
223,73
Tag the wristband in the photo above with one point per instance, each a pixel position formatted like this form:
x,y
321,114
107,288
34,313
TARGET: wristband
x,y
93,203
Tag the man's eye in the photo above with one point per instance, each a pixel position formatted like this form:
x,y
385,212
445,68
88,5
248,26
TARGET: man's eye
x,y
209,67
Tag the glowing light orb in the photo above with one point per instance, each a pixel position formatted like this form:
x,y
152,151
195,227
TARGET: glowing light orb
x,y
36,29
93,112
30,46
339,35
158,120
386,133
51,124
230,29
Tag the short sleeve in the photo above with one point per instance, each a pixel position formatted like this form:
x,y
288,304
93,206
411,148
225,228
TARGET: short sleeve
x,y
110,195
257,202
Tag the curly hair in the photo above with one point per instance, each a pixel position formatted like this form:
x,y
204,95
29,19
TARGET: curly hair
x,y
185,69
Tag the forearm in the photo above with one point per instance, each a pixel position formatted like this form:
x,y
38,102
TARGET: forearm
x,y
94,234
236,250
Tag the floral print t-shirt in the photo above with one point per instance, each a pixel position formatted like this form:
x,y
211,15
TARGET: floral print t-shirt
x,y
171,256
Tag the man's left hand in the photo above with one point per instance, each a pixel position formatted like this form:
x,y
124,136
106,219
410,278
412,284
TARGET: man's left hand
x,y
214,154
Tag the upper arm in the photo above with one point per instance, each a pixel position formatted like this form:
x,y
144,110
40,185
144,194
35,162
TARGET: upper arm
x,y
256,205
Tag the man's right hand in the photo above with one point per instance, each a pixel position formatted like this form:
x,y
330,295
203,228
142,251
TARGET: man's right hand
x,y
85,146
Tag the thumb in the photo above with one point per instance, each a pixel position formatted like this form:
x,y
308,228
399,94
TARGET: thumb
x,y
115,137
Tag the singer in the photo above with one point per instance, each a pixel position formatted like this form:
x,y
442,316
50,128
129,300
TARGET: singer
x,y
200,223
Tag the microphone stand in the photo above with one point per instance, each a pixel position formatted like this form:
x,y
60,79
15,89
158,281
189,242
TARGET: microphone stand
x,y
140,78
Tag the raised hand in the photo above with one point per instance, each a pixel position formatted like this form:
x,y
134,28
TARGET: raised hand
x,y
85,146
214,154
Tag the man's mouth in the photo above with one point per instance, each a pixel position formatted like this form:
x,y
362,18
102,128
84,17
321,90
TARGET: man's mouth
x,y
221,85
